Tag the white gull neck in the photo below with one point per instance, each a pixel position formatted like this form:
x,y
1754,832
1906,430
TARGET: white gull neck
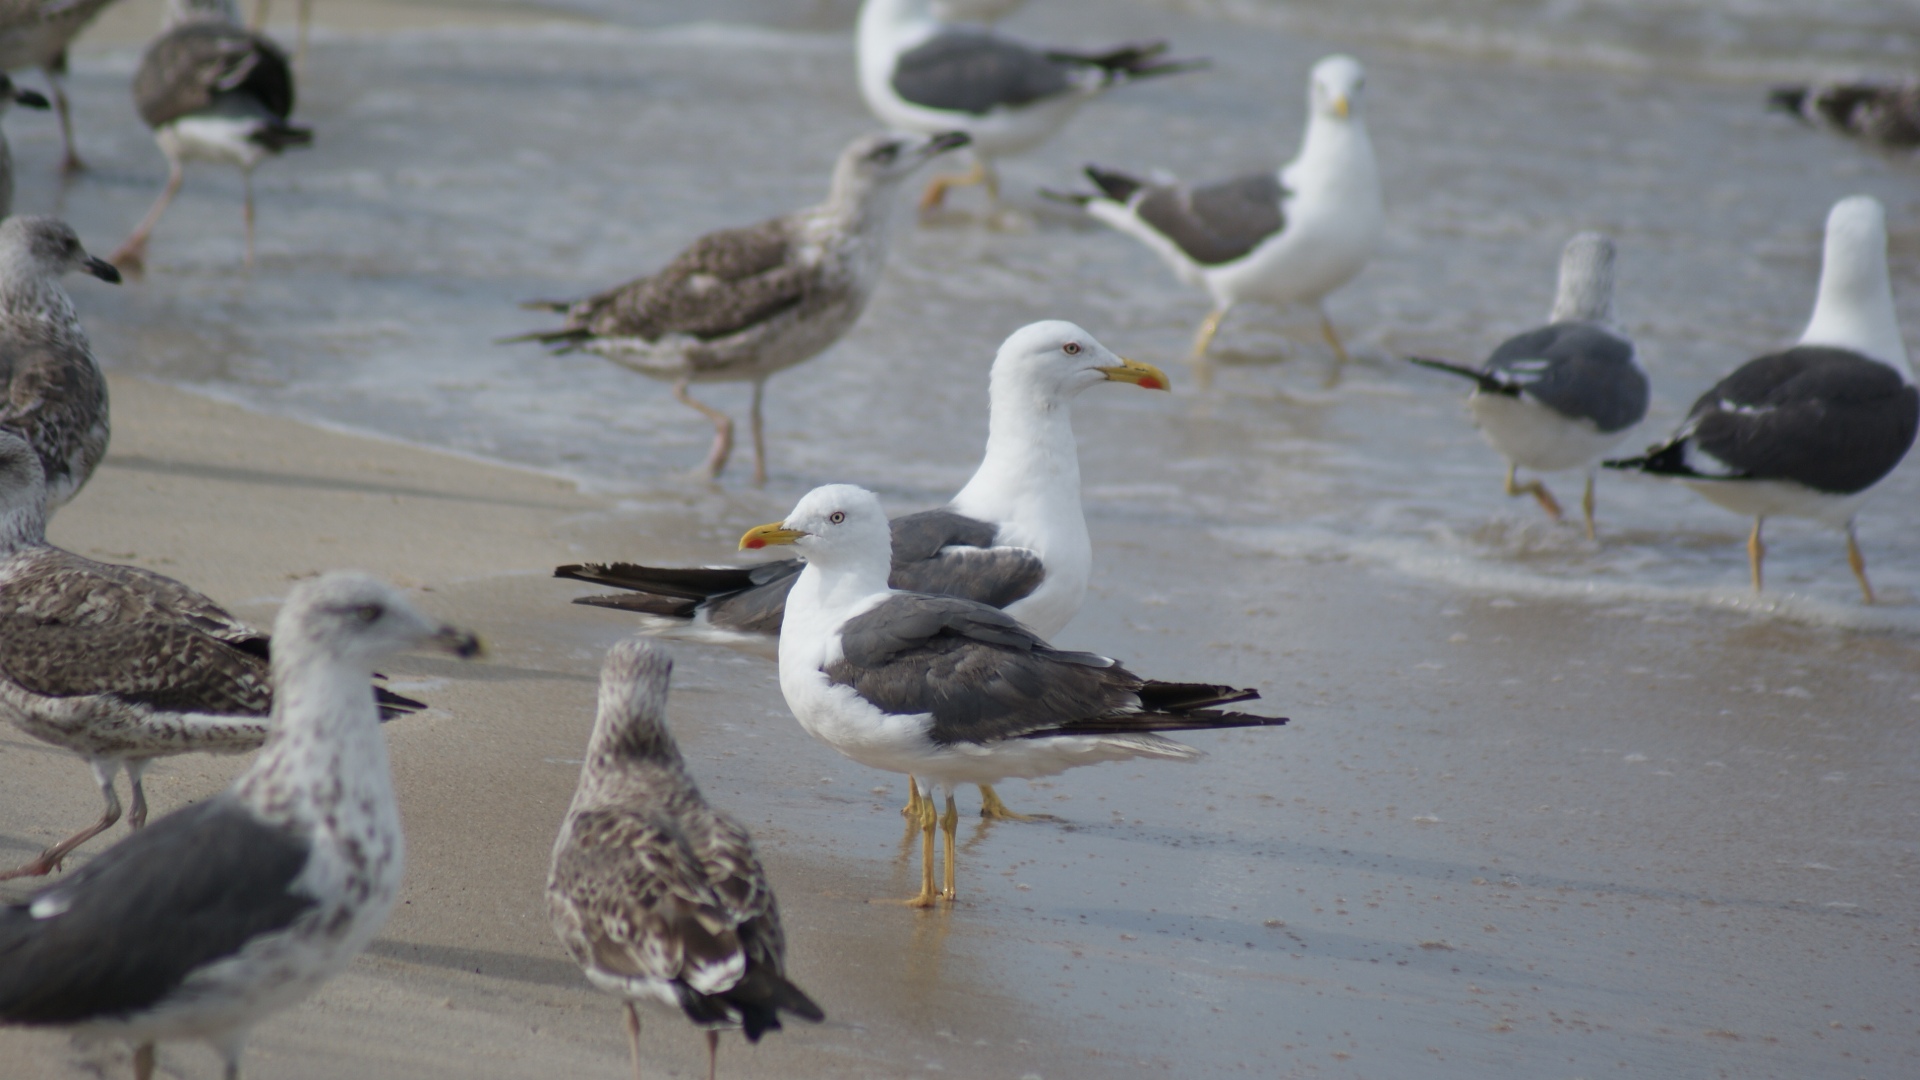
x,y
1854,309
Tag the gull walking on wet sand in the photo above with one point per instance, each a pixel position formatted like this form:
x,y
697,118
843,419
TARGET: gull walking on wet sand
x,y
55,396
658,896
36,33
1282,238
117,664
950,690
1561,396
227,911
1807,432
214,92
740,305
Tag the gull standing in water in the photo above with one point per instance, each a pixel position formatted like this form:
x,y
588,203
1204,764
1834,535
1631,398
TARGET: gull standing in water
x,y
1807,432
1287,237
1561,396
227,911
658,896
949,689
740,305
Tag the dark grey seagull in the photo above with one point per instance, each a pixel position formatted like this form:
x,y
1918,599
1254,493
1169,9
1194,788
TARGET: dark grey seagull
x,y
951,690
1885,115
1562,395
36,33
219,914
117,664
658,896
211,91
1808,431
54,394
740,305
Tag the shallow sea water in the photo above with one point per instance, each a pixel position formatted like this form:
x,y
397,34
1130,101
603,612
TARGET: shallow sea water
x,y
1549,807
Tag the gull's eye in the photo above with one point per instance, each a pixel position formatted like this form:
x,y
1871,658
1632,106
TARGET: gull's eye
x,y
1071,348
367,613
837,517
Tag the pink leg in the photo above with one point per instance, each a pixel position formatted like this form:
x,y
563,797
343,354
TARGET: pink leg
x,y
104,772
131,256
722,429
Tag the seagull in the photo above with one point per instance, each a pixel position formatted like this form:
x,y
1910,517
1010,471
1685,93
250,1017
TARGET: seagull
x,y
11,95
1561,396
55,396
227,911
1886,115
117,664
36,33
1289,237
1807,432
739,305
950,689
658,896
1015,536
211,91
920,74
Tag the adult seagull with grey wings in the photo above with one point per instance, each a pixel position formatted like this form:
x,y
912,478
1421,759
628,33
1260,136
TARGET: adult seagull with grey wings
x,y
1808,431
1561,396
949,689
921,74
227,911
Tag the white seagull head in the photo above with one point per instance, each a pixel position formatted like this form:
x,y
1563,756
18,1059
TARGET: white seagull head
x,y
1586,280
1052,362
1336,86
1855,305
357,619
839,526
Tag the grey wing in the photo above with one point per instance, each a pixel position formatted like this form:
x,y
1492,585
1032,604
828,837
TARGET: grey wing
x,y
132,925
726,282
976,72
190,67
1578,370
949,554
1220,222
56,399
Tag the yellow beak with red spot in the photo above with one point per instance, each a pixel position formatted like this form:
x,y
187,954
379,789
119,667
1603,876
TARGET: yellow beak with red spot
x,y
772,533
1143,375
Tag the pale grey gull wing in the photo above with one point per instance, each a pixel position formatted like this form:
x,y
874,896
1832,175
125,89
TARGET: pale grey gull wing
x,y
192,67
126,930
1828,419
1217,223
56,399
1578,370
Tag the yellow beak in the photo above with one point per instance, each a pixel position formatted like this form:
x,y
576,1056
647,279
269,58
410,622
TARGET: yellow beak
x,y
1143,375
1341,107
775,533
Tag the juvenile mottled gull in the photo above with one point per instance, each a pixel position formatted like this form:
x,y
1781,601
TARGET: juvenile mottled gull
x,y
229,910
1561,396
214,92
1886,115
1281,238
658,896
1808,431
742,304
117,664
54,394
920,74
950,690
36,33
1015,536
9,95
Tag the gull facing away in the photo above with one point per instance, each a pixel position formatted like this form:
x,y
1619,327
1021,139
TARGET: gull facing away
x,y
12,95
1015,537
227,911
36,33
1563,395
658,896
117,664
919,73
739,305
1289,237
1883,115
213,92
1807,432
55,396
948,689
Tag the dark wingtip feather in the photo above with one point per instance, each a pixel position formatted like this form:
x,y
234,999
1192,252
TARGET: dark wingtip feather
x,y
561,306
393,706
1668,460
1484,381
548,337
1789,99
1113,183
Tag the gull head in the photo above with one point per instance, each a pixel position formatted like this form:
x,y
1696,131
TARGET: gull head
x,y
879,161
46,247
1854,309
1053,361
23,492
838,525
633,703
1586,280
1335,87
358,619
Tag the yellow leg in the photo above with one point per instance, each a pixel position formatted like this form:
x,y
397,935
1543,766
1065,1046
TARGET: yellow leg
x,y
1202,341
1534,488
1339,352
993,809
1586,505
1859,564
928,896
937,188
1756,552
911,811
949,824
